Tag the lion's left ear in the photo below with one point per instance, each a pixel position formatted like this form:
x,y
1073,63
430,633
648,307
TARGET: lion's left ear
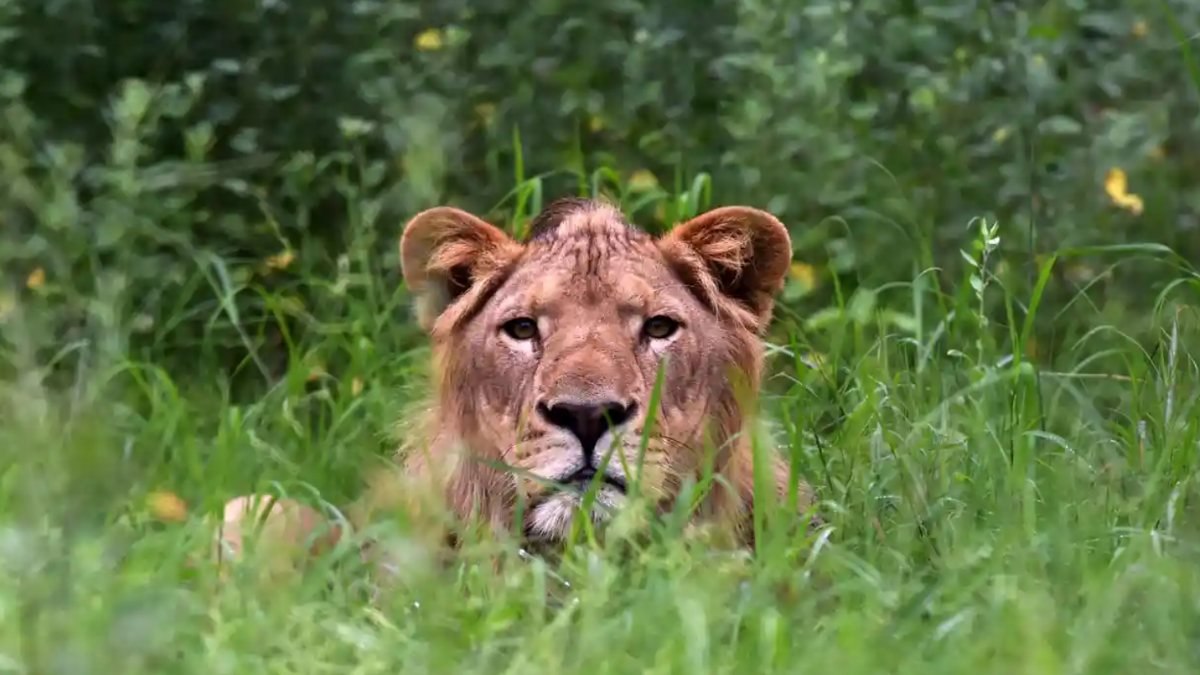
x,y
445,253
738,252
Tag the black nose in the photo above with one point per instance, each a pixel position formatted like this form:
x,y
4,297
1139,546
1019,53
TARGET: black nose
x,y
587,421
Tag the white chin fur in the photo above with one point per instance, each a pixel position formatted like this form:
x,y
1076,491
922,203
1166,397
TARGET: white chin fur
x,y
552,518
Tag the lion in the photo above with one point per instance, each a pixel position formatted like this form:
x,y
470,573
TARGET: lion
x,y
547,352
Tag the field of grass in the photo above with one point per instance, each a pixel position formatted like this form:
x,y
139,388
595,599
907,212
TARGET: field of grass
x,y
988,509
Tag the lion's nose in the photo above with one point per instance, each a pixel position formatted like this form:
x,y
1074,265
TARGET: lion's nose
x,y
587,421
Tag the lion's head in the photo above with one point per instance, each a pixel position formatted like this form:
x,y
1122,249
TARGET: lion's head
x,y
547,352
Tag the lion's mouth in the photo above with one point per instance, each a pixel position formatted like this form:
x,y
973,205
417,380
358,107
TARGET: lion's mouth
x,y
584,477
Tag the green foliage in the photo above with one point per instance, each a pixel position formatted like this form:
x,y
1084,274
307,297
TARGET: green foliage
x,y
985,359
153,158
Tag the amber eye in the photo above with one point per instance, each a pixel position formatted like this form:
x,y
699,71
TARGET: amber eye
x,y
521,329
660,327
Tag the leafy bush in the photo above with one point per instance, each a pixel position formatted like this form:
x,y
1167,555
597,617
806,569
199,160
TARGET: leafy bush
x,y
984,363
173,169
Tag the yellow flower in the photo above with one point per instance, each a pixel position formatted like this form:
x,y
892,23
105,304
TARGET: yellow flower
x,y
36,279
167,506
1001,134
1140,28
356,386
642,181
485,112
805,274
315,372
429,40
281,260
660,213
595,123
1116,185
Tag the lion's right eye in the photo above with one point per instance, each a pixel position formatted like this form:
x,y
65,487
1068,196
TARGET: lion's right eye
x,y
660,327
521,329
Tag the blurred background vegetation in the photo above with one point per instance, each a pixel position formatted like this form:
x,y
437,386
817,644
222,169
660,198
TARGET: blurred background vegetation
x,y
984,361
221,176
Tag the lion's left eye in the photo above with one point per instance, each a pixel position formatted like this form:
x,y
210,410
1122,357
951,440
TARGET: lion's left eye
x,y
521,329
660,327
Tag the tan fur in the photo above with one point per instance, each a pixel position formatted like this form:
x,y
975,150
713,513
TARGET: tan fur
x,y
590,282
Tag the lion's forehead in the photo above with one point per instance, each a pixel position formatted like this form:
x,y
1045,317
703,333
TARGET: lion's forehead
x,y
591,245
617,267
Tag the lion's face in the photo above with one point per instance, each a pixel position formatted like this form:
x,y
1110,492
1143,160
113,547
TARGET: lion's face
x,y
549,350
564,358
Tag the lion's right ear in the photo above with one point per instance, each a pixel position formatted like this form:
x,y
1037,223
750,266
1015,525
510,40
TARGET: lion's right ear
x,y
445,252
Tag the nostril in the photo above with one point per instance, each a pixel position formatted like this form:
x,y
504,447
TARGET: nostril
x,y
561,415
616,414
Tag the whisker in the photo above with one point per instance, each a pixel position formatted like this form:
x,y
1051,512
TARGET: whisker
x,y
675,443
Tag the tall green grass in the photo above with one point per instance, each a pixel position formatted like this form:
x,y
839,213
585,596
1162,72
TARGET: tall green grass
x,y
988,508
